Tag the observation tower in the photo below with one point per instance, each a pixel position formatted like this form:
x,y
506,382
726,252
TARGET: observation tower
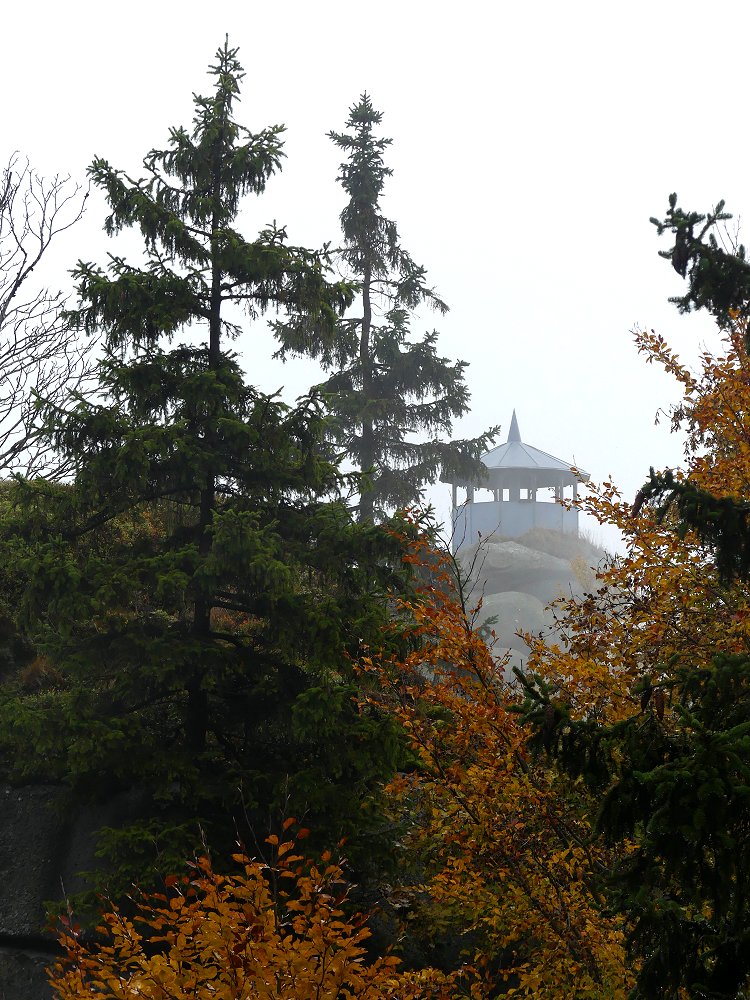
x,y
522,491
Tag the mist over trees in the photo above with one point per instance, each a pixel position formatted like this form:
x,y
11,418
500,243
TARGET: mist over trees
x,y
385,391
232,610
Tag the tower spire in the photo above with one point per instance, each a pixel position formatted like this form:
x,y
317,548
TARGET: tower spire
x,y
514,434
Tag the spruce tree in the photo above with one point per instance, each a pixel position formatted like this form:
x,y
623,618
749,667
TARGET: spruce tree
x,y
718,281
199,586
386,390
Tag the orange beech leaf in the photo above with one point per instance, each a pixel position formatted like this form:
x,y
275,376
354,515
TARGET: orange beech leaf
x,y
236,939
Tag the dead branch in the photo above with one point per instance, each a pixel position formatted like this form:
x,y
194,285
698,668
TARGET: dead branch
x,y
40,358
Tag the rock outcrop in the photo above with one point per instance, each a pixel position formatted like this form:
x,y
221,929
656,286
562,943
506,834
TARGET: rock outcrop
x,y
518,577
510,566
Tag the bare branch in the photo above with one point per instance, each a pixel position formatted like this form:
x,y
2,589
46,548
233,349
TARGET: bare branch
x,y
40,358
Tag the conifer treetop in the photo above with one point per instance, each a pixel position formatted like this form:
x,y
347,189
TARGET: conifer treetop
x,y
371,241
391,395
185,207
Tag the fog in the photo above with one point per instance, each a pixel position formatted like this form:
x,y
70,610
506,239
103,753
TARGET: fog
x,y
531,143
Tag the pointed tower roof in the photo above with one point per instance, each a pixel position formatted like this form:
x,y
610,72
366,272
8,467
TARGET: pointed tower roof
x,y
514,434
516,456
515,461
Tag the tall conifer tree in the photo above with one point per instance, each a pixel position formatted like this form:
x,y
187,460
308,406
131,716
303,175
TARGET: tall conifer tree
x,y
197,587
386,389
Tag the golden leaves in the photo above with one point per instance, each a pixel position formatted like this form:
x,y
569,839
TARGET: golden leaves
x,y
275,930
661,603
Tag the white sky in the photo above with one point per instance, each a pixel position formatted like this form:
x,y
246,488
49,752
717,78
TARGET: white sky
x,y
532,141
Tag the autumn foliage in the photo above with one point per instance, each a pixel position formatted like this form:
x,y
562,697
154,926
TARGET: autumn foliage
x,y
272,930
663,602
503,839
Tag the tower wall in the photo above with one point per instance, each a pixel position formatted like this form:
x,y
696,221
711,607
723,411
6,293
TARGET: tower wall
x,y
508,519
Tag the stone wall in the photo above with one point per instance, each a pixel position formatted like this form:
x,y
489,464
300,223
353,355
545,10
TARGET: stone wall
x,y
22,975
43,848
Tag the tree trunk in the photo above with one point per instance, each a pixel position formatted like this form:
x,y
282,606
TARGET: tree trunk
x,y
196,724
367,459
